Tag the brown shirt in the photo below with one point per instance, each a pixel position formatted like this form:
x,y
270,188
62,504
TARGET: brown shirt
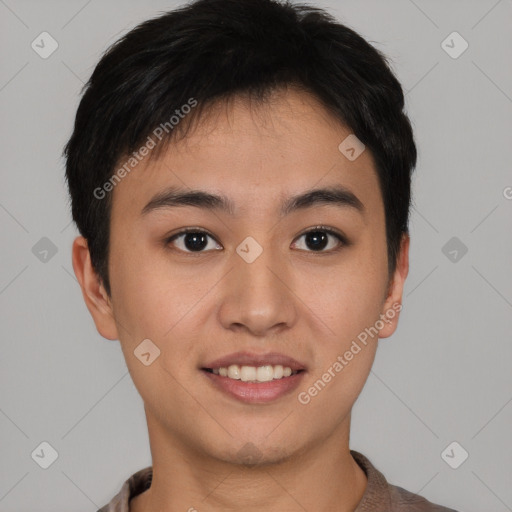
x,y
379,496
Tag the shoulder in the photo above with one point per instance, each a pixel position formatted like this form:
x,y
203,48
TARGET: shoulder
x,y
405,501
382,496
135,485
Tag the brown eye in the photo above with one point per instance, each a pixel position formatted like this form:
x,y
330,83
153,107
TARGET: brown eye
x,y
318,239
193,240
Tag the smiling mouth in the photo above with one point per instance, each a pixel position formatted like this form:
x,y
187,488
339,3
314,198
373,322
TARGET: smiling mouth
x,y
253,374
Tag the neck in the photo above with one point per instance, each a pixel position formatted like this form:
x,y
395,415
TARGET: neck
x,y
322,477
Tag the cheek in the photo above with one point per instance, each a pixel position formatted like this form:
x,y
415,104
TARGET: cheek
x,y
156,300
349,298
152,302
144,295
349,304
349,309
331,393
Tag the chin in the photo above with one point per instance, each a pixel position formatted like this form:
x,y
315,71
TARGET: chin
x,y
254,455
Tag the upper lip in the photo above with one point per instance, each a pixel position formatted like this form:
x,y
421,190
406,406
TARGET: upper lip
x,y
253,359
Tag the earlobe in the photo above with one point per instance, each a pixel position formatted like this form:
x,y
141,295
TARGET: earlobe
x,y
393,303
96,299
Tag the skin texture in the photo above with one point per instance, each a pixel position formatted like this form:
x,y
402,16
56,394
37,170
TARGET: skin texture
x,y
292,299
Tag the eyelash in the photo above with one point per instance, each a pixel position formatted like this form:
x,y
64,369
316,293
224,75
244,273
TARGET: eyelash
x,y
340,237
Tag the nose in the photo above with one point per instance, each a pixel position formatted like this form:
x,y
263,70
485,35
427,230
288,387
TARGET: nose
x,y
257,296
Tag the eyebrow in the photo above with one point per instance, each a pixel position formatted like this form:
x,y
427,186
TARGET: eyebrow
x,y
173,197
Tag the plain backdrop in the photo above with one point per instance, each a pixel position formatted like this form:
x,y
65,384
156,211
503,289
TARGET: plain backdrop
x,y
443,377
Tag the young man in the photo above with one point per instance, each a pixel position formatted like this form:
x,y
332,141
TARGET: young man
x,y
240,173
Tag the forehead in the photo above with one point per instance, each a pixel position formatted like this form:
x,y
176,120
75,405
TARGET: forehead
x,y
256,153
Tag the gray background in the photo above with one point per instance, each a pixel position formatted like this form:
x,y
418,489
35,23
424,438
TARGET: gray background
x,y
443,377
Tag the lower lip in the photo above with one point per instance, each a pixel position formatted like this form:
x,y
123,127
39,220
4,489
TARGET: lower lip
x,y
256,393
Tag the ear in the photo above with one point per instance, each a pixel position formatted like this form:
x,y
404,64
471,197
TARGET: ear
x,y
96,299
393,302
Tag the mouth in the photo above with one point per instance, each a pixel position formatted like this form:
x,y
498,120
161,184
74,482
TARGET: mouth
x,y
253,374
255,378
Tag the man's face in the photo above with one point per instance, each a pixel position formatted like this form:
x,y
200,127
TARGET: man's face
x,y
198,299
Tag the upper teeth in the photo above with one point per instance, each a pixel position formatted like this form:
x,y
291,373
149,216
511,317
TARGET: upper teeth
x,y
253,373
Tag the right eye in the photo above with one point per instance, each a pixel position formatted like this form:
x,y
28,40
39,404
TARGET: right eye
x,y
192,240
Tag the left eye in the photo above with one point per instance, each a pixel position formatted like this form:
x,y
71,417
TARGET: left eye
x,y
316,240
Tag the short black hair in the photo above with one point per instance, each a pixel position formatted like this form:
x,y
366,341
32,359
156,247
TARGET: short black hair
x,y
213,50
